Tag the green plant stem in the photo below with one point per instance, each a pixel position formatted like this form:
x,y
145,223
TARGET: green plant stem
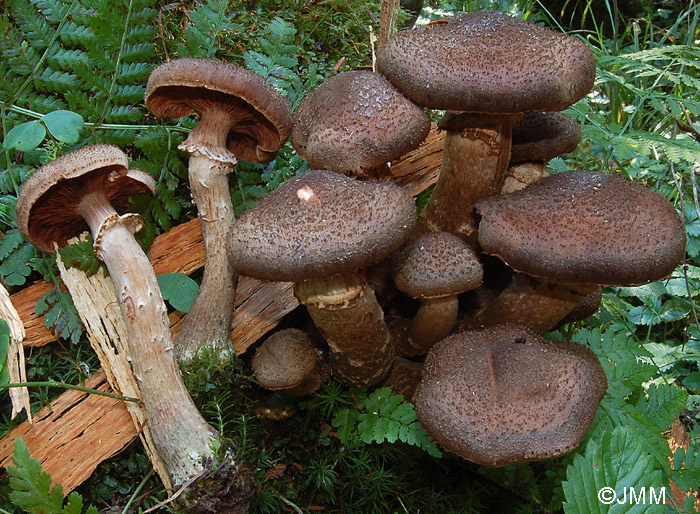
x,y
107,126
51,383
137,491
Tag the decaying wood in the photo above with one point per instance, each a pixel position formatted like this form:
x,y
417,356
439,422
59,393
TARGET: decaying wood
x,y
96,302
419,169
14,362
72,436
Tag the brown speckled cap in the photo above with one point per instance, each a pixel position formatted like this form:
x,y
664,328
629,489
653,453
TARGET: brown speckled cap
x,y
488,62
48,200
504,395
356,120
284,360
263,118
543,136
584,227
320,223
436,264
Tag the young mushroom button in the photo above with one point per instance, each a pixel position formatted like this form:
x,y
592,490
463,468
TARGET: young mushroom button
x,y
318,230
435,268
241,116
82,190
486,69
504,395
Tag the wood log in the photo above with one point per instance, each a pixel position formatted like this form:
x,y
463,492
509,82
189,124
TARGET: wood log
x,y
72,436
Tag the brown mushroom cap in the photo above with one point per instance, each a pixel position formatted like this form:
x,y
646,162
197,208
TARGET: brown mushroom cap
x,y
356,120
504,395
488,62
584,227
436,264
543,136
284,360
320,223
49,198
263,119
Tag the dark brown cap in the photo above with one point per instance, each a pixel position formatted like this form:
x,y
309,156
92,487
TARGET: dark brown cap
x,y
436,264
504,395
320,223
284,360
263,119
49,198
356,120
584,227
543,136
488,62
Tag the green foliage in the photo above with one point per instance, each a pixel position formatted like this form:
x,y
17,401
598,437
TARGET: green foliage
x,y
178,289
4,348
81,255
60,314
32,489
384,417
618,461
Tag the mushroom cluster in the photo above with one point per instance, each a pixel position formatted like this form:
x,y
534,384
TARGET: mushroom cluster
x,y
492,390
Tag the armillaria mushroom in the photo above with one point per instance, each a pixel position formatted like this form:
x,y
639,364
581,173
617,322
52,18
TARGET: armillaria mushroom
x,y
319,230
435,268
83,190
569,233
486,69
288,362
241,117
540,137
504,395
355,123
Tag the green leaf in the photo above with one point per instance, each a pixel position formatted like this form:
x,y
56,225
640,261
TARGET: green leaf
x,y
4,348
178,289
64,125
619,462
345,421
31,487
25,136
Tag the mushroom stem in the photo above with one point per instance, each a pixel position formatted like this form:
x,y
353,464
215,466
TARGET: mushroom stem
x,y
346,312
433,322
209,319
534,302
475,161
181,436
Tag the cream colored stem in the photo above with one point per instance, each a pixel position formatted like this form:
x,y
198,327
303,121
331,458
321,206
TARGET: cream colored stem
x,y
346,312
180,434
433,322
209,321
475,160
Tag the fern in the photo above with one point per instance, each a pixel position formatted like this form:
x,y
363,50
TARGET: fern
x,y
618,461
32,488
384,417
60,314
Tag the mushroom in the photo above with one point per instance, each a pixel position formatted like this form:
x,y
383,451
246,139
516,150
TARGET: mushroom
x,y
541,136
241,117
570,233
435,268
319,230
355,123
486,68
504,395
288,362
83,189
